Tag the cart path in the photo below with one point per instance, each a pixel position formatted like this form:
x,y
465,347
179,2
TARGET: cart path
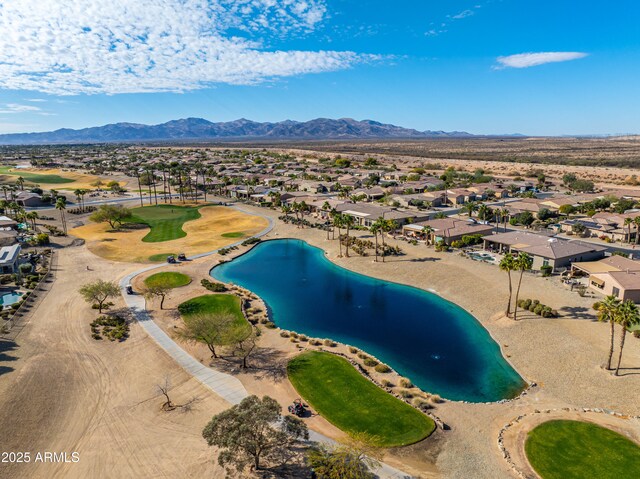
x,y
228,387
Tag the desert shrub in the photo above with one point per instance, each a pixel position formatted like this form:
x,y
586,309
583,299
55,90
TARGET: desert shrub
x,y
421,403
370,362
385,383
330,343
250,241
303,338
546,270
636,333
362,356
538,309
114,328
435,398
270,325
405,383
293,340
405,393
353,350
211,286
315,342
383,368
293,335
284,334
457,244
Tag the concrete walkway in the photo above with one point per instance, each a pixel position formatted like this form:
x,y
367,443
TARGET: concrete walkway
x,y
224,385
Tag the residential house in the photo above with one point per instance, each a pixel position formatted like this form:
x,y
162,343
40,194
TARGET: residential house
x,y
9,256
447,230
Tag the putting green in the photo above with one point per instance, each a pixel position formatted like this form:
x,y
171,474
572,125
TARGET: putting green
x,y
165,221
334,388
169,279
236,234
563,449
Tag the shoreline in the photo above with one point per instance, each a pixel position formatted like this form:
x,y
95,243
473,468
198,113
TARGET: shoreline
x,y
528,385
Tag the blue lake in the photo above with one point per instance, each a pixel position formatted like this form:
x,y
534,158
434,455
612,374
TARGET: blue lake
x,y
433,342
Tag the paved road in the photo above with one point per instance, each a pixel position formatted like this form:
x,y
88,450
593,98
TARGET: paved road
x,y
225,385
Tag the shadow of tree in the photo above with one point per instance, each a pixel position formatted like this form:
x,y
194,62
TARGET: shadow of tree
x,y
577,312
6,346
264,363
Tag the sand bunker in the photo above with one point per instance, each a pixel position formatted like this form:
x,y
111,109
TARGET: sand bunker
x,y
203,234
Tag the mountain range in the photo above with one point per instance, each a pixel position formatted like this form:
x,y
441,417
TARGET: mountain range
x,y
198,129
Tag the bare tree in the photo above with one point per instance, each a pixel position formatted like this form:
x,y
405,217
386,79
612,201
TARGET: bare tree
x,y
169,405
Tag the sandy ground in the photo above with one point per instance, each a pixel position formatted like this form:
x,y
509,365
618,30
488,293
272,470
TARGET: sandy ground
x,y
81,180
82,392
203,234
62,391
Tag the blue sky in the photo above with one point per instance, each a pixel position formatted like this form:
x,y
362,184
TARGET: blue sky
x,y
487,67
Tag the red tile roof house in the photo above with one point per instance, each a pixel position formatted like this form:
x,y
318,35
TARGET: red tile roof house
x,y
545,250
445,229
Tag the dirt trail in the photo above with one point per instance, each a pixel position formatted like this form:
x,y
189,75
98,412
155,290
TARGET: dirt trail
x,y
62,391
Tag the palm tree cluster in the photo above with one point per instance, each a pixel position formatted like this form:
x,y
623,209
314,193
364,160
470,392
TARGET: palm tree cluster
x,y
614,311
521,263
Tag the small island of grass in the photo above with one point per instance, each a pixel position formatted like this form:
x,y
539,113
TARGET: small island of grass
x,y
167,279
563,449
333,387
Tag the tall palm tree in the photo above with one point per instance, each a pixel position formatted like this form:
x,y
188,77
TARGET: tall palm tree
x,y
627,223
326,207
32,216
375,229
628,315
349,222
61,205
504,215
78,194
636,221
20,182
338,221
523,263
608,312
508,264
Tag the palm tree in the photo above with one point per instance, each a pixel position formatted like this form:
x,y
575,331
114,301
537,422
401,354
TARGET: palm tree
x,y
61,205
326,207
338,221
523,263
628,315
32,216
375,229
20,182
627,223
428,232
636,221
504,215
349,222
286,209
608,312
470,208
508,264
78,194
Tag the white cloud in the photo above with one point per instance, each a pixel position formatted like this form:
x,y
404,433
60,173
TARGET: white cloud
x,y
35,100
526,60
91,46
18,108
464,14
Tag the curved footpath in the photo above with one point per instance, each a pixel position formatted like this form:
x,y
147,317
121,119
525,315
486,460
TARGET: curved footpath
x,y
226,386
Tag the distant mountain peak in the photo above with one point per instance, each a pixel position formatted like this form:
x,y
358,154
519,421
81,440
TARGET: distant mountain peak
x,y
199,129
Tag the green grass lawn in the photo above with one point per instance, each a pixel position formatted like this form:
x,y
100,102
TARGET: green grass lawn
x,y
215,303
333,387
35,177
160,257
563,449
172,280
236,234
165,221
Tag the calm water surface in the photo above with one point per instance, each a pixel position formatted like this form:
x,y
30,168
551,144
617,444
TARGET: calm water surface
x,y
438,345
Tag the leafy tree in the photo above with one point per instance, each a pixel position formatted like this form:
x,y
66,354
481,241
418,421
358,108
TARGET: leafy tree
x,y
353,459
253,431
157,290
99,291
112,214
544,214
209,329
567,209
